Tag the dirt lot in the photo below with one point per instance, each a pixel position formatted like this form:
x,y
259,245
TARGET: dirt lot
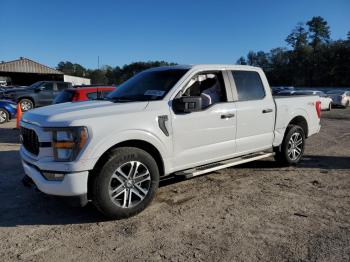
x,y
254,212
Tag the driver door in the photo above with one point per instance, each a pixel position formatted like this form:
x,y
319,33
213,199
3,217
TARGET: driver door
x,y
205,136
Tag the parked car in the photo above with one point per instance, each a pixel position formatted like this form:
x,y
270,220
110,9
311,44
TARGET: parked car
x,y
8,110
38,94
3,83
276,90
340,97
83,93
326,100
177,120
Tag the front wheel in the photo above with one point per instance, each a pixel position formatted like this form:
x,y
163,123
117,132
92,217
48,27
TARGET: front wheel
x,y
126,183
4,116
26,104
292,147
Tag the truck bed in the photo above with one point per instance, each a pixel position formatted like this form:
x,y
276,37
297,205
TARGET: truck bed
x,y
300,105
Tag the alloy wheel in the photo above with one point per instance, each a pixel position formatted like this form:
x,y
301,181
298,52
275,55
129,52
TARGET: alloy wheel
x,y
26,105
295,146
3,116
129,184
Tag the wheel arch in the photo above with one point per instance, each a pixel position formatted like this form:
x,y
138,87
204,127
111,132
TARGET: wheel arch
x,y
137,143
300,121
26,97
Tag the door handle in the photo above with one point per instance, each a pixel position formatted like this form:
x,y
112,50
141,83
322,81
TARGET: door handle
x,y
227,116
268,110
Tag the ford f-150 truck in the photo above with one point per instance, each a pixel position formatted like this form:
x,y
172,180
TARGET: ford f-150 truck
x,y
179,120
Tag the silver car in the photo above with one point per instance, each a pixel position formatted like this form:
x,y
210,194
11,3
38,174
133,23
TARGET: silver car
x,y
340,97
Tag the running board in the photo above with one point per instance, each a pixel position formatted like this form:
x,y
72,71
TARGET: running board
x,y
222,164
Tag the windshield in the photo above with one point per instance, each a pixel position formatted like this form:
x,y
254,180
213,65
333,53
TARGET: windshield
x,y
335,92
147,85
36,84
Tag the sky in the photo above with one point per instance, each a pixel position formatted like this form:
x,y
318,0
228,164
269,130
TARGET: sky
x,y
181,31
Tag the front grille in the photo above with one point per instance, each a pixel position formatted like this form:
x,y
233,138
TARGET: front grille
x,y
30,140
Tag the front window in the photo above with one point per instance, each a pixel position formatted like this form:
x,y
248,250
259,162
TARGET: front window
x,y
36,84
147,85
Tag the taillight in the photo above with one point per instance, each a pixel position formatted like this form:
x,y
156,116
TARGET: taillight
x,y
318,108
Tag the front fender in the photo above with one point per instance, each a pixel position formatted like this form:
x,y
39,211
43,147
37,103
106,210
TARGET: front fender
x,y
111,140
284,117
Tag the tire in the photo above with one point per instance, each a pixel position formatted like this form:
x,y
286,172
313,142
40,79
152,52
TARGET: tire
x,y
4,116
285,154
26,104
112,188
347,104
329,107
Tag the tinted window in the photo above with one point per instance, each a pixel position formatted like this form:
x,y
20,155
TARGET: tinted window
x,y
249,85
48,86
92,95
61,86
64,96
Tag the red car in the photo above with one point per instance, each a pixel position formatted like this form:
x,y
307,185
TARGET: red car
x,y
83,93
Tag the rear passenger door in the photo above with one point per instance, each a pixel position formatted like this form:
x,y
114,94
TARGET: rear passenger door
x,y
45,95
255,111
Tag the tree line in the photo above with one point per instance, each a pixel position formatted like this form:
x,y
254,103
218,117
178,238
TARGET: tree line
x,y
311,58
108,75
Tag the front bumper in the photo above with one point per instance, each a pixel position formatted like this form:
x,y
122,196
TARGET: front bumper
x,y
73,184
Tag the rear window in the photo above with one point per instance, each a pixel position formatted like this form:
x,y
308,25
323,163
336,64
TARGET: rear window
x,y
63,97
62,86
249,85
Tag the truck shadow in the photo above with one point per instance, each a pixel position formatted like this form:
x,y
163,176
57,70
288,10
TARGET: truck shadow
x,y
24,206
308,161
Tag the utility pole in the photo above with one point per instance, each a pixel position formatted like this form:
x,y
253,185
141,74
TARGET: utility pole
x,y
98,62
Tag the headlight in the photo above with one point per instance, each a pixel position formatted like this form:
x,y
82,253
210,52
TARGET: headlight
x,y
68,142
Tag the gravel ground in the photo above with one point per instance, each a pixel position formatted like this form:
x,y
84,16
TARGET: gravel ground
x,y
254,212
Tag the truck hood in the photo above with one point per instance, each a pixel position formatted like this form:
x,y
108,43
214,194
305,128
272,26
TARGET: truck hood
x,y
66,114
18,90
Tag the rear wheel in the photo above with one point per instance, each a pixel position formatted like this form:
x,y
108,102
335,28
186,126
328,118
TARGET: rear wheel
x,y
292,147
126,184
330,107
26,104
4,116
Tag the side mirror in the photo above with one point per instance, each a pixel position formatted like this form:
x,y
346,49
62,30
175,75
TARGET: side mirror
x,y
187,104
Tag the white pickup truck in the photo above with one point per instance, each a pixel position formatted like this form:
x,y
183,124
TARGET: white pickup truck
x,y
179,120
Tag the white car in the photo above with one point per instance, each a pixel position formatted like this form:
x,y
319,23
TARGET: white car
x,y
326,100
340,97
114,152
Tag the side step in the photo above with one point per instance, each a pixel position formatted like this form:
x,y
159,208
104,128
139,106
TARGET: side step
x,y
222,164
